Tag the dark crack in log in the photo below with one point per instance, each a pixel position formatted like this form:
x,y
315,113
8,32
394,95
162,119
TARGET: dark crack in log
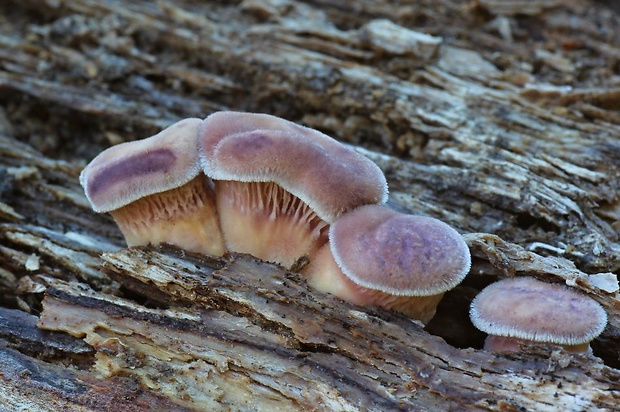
x,y
18,330
29,384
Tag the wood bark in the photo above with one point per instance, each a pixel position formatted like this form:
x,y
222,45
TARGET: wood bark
x,y
500,118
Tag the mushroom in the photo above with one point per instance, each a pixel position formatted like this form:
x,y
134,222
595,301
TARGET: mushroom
x,y
524,310
155,190
278,185
378,256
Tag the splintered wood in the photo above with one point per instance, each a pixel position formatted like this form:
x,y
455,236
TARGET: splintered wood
x,y
250,336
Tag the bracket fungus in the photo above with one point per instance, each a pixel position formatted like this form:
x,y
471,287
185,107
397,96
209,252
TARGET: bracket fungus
x,y
525,310
377,256
155,190
279,185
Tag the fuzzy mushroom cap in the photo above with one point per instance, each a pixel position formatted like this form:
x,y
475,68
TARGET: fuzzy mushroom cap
x,y
326,175
404,255
156,192
130,171
527,308
225,123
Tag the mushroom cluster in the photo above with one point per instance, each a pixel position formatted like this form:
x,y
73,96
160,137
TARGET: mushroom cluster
x,y
259,184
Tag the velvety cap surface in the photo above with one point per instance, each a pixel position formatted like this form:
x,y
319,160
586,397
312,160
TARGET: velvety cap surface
x,y
326,175
129,171
381,249
527,308
225,123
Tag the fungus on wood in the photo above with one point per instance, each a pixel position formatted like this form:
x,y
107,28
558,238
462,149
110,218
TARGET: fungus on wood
x,y
156,191
524,310
507,131
278,185
377,256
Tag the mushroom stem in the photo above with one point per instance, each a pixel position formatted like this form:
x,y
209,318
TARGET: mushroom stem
x,y
494,343
323,274
184,216
266,221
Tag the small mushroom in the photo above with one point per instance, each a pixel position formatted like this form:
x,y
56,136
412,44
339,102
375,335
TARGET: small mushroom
x,y
155,190
377,256
525,310
278,185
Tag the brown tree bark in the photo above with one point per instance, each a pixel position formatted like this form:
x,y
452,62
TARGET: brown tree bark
x,y
500,118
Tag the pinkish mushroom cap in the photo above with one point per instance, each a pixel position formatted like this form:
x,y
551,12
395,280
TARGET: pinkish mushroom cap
x,y
533,311
130,171
381,249
386,258
279,185
326,175
155,190
226,123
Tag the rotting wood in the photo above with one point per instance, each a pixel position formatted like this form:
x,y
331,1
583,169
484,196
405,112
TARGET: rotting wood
x,y
263,340
508,131
241,302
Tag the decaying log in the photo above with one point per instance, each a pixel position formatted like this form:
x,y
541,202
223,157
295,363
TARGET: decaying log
x,y
265,342
500,118
216,334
